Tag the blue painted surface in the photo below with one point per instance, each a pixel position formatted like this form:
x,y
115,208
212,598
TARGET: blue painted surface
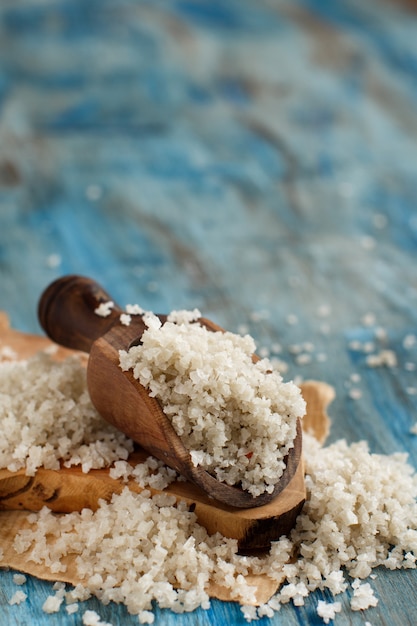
x,y
254,159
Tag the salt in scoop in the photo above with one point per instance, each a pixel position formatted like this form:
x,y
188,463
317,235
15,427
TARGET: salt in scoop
x,y
67,313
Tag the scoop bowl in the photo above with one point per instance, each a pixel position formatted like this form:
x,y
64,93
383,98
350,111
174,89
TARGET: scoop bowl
x,y
67,313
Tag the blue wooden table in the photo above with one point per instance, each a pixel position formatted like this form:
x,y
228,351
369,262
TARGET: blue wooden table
x,y
254,159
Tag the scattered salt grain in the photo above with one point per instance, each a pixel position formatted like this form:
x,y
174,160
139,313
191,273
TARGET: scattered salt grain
x,y
146,617
125,319
19,579
152,286
249,613
381,333
53,260
121,469
368,243
104,308
134,309
325,329
328,610
93,192
151,473
355,393
264,352
52,604
184,317
292,319
91,618
409,341
72,608
324,310
124,550
365,347
18,597
363,596
368,319
379,220
385,358
303,359
258,316
7,353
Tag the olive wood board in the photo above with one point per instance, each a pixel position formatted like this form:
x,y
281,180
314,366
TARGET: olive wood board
x,y
69,489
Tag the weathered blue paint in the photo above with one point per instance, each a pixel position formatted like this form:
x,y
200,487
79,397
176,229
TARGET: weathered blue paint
x,y
254,159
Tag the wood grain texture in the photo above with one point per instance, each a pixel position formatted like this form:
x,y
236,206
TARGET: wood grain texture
x,y
253,159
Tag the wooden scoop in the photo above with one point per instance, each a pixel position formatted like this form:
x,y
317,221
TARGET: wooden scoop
x,y
67,314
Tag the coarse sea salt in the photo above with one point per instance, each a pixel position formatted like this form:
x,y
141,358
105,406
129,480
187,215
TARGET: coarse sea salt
x,y
360,513
236,417
46,417
18,597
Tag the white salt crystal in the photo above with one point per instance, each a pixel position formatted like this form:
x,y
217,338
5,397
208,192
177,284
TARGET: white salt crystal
x,y
104,309
18,597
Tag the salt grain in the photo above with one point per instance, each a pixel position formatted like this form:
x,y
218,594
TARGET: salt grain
x,y
134,309
125,319
258,316
303,359
52,604
355,393
327,610
93,192
91,618
292,319
368,319
53,260
104,309
324,310
19,579
413,429
7,354
18,597
385,358
409,342
363,596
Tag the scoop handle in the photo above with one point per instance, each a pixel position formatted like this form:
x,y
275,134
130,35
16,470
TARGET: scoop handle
x,y
66,312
